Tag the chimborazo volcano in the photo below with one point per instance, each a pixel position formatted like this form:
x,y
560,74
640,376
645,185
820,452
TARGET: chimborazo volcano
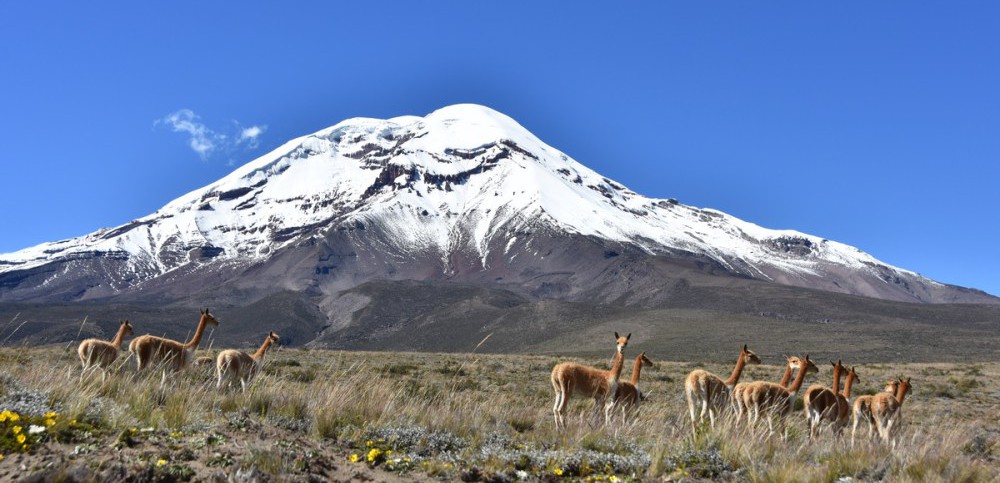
x,y
462,206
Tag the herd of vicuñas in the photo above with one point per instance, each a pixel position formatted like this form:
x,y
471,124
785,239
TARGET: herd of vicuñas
x,y
152,352
707,393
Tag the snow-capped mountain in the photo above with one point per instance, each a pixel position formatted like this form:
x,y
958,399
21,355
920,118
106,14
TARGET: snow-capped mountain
x,y
463,193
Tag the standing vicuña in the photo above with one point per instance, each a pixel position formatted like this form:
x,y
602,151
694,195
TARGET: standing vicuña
x,y
628,396
234,364
151,350
98,354
741,398
887,410
862,409
775,399
822,403
569,378
709,392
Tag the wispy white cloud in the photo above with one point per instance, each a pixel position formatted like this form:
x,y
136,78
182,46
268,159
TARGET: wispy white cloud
x,y
204,140
251,136
201,139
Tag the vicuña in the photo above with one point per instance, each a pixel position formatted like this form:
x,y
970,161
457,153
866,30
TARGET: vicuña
x,y
570,378
151,350
97,354
238,365
709,392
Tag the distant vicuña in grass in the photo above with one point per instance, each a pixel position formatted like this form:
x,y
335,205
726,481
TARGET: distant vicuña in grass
x,y
169,354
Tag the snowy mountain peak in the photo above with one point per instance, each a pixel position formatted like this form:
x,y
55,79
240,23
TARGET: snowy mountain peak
x,y
464,182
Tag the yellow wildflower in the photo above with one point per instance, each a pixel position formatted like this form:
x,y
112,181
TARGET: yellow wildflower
x,y
558,471
16,429
1,457
354,458
13,417
161,462
21,438
373,454
49,422
369,443
50,415
3,417
612,478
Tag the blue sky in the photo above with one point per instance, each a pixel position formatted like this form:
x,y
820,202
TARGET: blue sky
x,y
877,125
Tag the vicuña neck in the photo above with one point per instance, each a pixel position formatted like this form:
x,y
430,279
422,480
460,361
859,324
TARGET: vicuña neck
x,y
735,376
263,349
616,368
636,369
200,331
847,384
785,378
836,378
119,337
799,377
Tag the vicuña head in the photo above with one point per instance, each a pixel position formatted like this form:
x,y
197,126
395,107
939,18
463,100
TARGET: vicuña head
x,y
621,342
272,339
208,318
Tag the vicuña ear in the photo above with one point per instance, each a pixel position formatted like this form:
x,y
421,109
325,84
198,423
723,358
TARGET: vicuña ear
x,y
629,336
616,335
744,347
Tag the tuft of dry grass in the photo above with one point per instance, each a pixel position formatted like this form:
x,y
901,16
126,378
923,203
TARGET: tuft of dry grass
x,y
478,416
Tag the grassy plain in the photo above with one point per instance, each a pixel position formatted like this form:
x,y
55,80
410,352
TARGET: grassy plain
x,y
318,415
